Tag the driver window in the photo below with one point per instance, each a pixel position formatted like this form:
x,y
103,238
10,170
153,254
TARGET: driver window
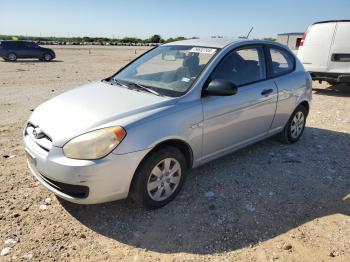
x,y
243,66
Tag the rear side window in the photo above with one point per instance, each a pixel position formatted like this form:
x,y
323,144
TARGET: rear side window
x,y
342,34
243,66
12,44
281,61
319,34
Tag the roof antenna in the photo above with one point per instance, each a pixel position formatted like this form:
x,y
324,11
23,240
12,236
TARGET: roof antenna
x,y
251,29
246,37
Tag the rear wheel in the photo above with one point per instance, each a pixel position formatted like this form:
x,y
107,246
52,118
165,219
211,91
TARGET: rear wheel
x,y
12,57
47,57
332,83
294,129
159,178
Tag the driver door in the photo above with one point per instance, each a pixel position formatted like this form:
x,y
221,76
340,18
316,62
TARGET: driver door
x,y
234,121
32,50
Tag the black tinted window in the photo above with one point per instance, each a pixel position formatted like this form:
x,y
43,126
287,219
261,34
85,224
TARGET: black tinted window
x,y
243,66
29,44
12,44
282,61
4,44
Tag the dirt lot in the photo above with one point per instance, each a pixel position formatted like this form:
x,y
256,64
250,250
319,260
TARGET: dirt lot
x,y
264,203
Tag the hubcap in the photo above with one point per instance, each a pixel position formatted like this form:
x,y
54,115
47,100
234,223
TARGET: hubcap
x,y
164,179
12,57
47,57
297,125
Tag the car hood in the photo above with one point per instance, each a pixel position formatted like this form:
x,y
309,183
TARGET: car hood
x,y
90,107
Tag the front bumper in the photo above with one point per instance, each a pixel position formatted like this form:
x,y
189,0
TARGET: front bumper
x,y
82,181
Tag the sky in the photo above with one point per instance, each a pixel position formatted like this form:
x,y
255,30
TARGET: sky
x,y
138,18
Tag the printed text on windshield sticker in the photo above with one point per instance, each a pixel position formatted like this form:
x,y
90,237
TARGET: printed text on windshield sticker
x,y
203,50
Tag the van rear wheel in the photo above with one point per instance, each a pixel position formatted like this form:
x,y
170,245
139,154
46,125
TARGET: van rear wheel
x,y
333,83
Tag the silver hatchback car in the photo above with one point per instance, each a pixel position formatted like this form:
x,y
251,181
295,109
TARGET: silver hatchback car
x,y
175,107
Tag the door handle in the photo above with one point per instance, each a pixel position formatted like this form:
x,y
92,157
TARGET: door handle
x,y
266,92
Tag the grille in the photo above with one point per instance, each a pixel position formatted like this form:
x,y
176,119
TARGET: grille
x,y
44,141
75,191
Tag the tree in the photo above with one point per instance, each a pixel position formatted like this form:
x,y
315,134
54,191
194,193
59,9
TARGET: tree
x,y
155,39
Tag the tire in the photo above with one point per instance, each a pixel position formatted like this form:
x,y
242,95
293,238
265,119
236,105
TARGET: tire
x,y
154,185
295,126
333,83
12,57
47,57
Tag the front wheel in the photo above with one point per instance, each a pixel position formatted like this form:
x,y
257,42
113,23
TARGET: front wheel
x,y
159,178
295,127
47,57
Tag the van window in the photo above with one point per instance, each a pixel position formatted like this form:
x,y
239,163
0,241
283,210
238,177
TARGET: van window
x,y
319,34
342,35
282,61
243,66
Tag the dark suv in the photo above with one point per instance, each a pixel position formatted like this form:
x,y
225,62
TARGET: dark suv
x,y
11,50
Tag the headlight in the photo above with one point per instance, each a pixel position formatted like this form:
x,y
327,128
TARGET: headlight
x,y
95,144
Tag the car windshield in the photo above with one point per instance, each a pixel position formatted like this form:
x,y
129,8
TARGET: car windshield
x,y
168,70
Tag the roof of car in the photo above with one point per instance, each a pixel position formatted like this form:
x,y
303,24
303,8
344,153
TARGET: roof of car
x,y
297,33
209,42
17,41
331,21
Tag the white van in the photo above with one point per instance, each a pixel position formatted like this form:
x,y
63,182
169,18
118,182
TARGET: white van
x,y
325,51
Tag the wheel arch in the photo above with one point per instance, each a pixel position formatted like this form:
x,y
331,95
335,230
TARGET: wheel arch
x,y
183,146
306,105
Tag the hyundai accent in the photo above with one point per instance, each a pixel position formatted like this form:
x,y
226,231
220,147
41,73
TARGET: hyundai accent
x,y
174,108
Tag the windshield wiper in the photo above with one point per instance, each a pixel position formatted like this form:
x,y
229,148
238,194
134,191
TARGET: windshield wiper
x,y
119,83
146,89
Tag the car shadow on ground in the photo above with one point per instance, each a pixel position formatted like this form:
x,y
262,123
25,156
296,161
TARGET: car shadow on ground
x,y
239,200
32,61
342,90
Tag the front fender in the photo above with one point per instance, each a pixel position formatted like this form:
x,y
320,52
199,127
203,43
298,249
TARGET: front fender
x,y
180,124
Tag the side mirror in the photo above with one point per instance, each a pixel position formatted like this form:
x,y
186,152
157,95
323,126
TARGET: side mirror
x,y
220,87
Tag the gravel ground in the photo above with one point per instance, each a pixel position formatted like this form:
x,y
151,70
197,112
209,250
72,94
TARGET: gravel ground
x,y
268,202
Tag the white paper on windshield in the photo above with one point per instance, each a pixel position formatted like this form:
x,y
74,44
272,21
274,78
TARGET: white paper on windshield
x,y
203,50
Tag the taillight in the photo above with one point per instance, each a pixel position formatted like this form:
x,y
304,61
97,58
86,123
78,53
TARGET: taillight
x,y
302,40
